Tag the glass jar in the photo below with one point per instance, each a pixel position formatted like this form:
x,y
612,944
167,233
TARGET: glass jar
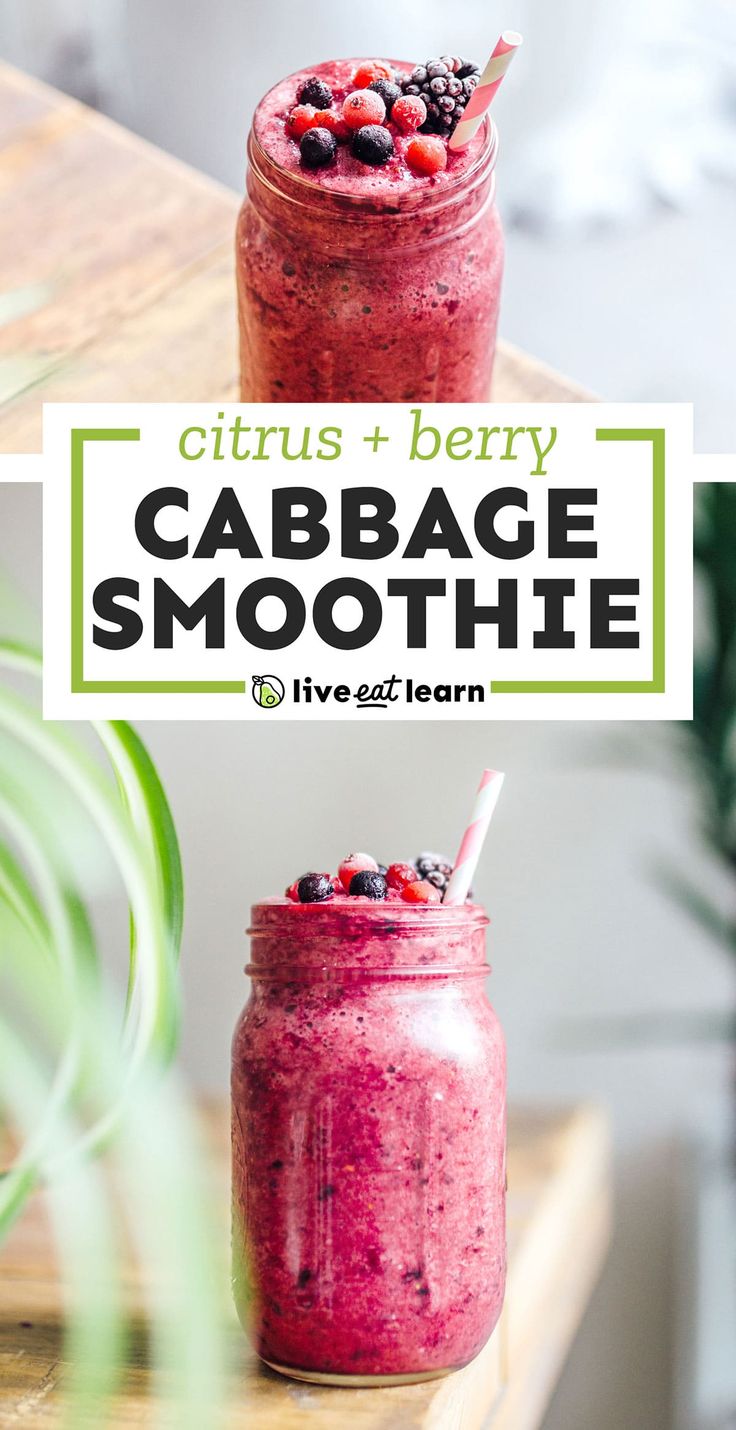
x,y
363,298
368,1126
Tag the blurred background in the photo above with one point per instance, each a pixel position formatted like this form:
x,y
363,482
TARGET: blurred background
x,y
610,871
616,179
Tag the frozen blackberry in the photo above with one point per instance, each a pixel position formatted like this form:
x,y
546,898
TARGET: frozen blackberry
x,y
389,93
370,885
372,144
317,148
315,91
435,869
314,888
445,85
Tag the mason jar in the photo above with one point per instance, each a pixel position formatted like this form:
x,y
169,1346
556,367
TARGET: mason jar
x,y
368,1138
375,296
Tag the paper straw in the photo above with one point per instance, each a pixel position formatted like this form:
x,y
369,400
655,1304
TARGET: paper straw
x,y
472,841
483,94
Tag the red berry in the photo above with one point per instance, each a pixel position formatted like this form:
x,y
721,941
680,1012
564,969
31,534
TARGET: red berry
x,y
301,118
399,875
426,154
421,893
354,864
293,892
370,70
330,119
363,106
409,112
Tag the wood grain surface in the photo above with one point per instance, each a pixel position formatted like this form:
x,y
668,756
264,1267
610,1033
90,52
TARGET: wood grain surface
x,y
116,271
559,1220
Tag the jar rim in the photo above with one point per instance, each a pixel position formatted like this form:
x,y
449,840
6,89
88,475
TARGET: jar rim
x,y
278,911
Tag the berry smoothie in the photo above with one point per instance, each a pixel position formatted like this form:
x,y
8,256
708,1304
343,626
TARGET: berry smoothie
x,y
369,255
368,1137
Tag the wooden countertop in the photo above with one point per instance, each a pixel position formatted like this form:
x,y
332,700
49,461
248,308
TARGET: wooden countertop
x,y
559,1223
116,271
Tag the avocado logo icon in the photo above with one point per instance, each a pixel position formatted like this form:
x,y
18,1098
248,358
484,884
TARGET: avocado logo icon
x,y
268,691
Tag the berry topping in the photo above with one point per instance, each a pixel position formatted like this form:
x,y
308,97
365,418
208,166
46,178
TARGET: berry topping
x,y
426,154
293,892
370,885
445,85
421,892
331,119
300,120
399,875
353,864
317,147
435,868
314,888
315,92
369,71
363,106
388,91
409,112
373,144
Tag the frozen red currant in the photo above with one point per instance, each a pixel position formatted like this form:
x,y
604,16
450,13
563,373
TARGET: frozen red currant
x,y
363,106
399,875
330,119
421,892
426,154
354,864
301,118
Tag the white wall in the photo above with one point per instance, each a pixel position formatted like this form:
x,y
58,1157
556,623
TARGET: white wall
x,y
580,933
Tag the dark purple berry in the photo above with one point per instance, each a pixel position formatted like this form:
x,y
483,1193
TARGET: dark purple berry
x,y
467,69
317,148
315,91
435,869
389,92
370,885
372,144
314,888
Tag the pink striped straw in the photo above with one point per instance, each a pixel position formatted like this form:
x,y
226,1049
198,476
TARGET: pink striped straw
x,y
483,94
472,841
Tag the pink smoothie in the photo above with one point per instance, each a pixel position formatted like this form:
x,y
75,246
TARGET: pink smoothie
x,y
359,283
368,1141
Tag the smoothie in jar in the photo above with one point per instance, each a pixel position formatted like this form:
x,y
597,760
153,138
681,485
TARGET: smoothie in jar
x,y
369,269
368,1139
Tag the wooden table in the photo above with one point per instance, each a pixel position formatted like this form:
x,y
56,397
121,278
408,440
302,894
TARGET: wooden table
x,y
559,1220
116,271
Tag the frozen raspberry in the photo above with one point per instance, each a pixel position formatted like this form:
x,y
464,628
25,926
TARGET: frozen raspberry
x,y
315,92
363,106
368,885
353,864
399,875
314,888
301,118
330,119
421,892
409,112
370,70
426,154
317,148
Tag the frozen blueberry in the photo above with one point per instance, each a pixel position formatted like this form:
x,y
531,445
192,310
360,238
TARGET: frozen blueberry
x,y
370,885
372,144
389,92
317,147
313,888
315,91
